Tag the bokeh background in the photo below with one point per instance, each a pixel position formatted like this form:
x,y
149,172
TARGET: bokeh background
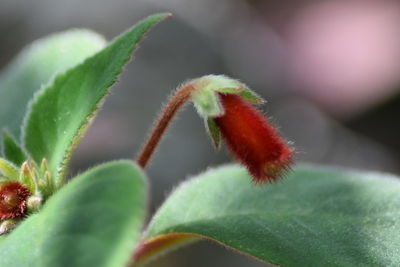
x,y
330,71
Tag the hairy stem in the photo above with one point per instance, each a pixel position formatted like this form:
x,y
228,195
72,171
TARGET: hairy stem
x,y
175,103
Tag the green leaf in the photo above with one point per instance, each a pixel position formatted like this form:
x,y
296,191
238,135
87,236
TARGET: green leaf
x,y
8,170
12,150
36,65
94,220
61,113
315,217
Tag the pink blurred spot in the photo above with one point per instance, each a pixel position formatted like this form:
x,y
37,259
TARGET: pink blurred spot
x,y
346,54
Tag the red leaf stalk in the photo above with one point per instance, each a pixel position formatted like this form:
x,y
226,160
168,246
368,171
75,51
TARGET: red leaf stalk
x,y
252,139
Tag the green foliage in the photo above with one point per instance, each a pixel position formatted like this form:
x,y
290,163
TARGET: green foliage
x,y
315,217
36,65
95,220
8,170
61,112
12,150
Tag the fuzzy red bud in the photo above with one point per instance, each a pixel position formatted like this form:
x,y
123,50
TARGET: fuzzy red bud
x,y
13,200
252,139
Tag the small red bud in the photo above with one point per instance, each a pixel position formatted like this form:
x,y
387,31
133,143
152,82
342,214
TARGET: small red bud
x,y
252,140
13,198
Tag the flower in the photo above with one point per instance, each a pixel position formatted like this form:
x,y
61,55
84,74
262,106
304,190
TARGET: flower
x,y
252,139
13,200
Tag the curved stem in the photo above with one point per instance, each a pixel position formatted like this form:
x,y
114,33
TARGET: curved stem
x,y
175,103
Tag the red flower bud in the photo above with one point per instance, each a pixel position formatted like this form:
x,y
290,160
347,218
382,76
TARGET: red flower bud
x,y
13,198
252,140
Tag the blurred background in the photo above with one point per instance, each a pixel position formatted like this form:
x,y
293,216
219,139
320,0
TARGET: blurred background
x,y
330,71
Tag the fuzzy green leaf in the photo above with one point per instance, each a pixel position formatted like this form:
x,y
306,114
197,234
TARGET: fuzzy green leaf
x,y
36,65
8,170
315,217
12,150
61,113
94,220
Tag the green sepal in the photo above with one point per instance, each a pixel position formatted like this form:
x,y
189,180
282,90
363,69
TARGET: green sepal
x,y
207,103
217,82
229,90
205,94
214,132
251,97
50,186
27,177
244,92
12,151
